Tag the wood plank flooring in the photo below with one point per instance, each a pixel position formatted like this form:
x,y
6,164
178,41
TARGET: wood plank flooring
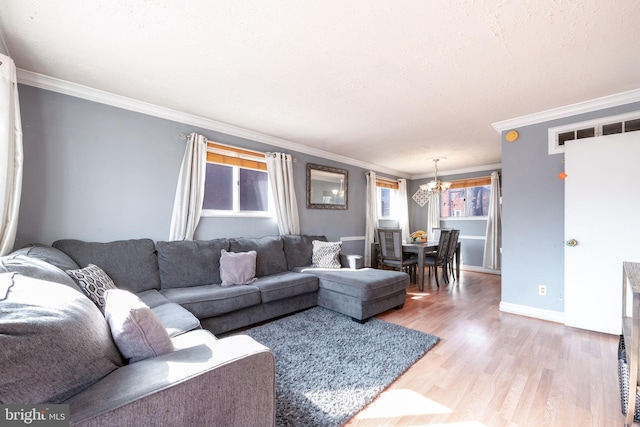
x,y
496,369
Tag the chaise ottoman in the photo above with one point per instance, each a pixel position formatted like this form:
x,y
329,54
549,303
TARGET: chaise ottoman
x,y
360,293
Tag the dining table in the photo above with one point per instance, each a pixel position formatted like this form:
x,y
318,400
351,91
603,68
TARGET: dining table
x,y
421,248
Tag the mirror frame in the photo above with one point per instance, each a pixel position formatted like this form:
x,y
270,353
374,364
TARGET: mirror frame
x,y
345,176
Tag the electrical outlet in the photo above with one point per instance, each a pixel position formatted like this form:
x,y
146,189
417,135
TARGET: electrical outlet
x,y
542,290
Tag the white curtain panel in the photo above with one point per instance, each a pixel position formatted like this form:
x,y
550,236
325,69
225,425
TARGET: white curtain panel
x,y
493,241
371,221
187,205
403,209
433,213
11,154
280,167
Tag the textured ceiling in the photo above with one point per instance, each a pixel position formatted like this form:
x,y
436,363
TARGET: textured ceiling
x,y
390,83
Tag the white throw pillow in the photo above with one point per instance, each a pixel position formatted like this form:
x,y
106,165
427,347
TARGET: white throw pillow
x,y
135,328
326,254
237,268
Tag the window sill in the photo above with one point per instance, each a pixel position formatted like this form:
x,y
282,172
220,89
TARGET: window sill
x,y
463,218
207,213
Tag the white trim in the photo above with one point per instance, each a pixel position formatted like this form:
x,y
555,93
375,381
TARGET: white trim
x,y
472,237
538,313
463,218
213,213
478,269
445,173
351,238
569,110
84,92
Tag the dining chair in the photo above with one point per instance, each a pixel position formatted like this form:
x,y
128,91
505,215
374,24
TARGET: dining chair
x,y
390,253
451,252
439,257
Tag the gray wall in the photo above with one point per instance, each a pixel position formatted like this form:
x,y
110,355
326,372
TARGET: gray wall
x,y
100,173
533,215
472,248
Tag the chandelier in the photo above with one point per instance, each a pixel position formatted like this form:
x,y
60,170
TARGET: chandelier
x,y
436,186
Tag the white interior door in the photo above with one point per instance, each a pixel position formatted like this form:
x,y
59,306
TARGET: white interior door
x,y
602,203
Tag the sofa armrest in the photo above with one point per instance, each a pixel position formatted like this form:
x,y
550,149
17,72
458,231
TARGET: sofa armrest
x,y
204,382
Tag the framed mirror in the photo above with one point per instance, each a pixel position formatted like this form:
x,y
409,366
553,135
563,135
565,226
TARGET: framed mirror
x,y
326,187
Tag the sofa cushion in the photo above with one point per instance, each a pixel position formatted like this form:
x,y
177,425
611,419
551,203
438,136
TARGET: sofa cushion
x,y
48,254
365,284
213,300
54,342
284,285
298,249
137,331
175,318
190,262
152,298
237,268
326,254
94,282
36,268
132,264
270,257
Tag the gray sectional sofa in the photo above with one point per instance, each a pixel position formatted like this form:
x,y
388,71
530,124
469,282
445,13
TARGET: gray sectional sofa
x,y
180,282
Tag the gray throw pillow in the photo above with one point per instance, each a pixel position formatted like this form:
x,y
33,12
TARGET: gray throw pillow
x,y
237,268
135,328
326,254
54,342
94,282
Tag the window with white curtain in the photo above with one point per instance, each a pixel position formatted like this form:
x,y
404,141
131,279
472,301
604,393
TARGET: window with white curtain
x,y
236,183
387,199
467,198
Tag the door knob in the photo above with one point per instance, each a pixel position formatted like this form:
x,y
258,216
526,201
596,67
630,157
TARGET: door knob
x,y
572,242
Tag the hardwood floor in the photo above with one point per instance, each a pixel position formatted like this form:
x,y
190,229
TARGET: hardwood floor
x,y
496,369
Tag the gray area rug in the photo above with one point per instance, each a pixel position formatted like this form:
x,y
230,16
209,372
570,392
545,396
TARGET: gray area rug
x,y
328,367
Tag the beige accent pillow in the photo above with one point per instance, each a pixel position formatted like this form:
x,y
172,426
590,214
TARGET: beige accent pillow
x,y
135,328
237,268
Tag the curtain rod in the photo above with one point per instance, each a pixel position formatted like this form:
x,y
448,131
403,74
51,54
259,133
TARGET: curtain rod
x,y
186,136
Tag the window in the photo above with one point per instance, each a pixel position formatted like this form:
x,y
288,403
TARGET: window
x,y
603,126
387,195
466,198
236,183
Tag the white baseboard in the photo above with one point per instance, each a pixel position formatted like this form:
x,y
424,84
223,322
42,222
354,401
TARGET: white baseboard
x,y
538,313
477,269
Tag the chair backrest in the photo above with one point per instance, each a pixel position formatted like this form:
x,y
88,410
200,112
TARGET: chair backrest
x,y
390,240
388,223
443,245
453,243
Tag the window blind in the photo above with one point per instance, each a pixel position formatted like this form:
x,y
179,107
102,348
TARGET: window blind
x,y
471,182
386,183
232,156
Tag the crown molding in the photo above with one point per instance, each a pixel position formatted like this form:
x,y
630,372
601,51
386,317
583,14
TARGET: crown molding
x,y
84,92
442,173
569,110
